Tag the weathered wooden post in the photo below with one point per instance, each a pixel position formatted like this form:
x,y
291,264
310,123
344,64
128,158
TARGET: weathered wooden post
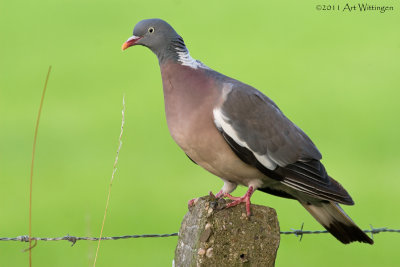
x,y
213,236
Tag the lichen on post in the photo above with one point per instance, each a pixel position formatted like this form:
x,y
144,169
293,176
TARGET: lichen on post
x,y
211,235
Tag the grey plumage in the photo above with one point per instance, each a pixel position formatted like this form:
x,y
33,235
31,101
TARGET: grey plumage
x,y
237,133
266,129
160,37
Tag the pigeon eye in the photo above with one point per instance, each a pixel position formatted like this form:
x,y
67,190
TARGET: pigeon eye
x,y
151,30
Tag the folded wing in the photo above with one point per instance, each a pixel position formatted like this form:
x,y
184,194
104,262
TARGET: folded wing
x,y
262,136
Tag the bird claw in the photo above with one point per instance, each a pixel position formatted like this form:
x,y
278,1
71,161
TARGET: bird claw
x,y
211,194
220,194
236,200
192,202
243,199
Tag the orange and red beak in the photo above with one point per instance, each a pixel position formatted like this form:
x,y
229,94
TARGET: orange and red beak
x,y
131,42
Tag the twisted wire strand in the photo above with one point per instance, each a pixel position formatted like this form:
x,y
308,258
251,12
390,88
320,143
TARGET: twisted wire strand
x,y
73,239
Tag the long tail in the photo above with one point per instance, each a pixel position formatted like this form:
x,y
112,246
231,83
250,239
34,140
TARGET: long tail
x,y
337,222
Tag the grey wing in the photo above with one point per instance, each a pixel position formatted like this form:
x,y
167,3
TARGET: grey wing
x,y
262,136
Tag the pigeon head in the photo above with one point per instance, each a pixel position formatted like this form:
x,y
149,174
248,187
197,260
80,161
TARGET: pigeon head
x,y
158,36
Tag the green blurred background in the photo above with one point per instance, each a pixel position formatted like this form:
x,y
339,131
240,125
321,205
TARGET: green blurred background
x,y
335,74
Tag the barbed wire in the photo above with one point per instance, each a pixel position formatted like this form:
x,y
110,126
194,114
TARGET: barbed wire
x,y
73,239
372,231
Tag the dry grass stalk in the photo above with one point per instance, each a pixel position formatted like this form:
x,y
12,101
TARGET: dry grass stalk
x,y
112,178
32,165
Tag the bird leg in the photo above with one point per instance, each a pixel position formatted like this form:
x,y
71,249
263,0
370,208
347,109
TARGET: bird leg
x,y
243,199
226,189
219,194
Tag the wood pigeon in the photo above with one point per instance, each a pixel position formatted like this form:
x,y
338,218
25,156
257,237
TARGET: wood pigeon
x,y
240,135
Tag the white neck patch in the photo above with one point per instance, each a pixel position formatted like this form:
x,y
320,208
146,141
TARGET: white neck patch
x,y
186,60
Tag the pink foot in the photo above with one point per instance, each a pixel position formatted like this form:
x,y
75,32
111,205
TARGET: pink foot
x,y
243,199
192,202
211,194
219,194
